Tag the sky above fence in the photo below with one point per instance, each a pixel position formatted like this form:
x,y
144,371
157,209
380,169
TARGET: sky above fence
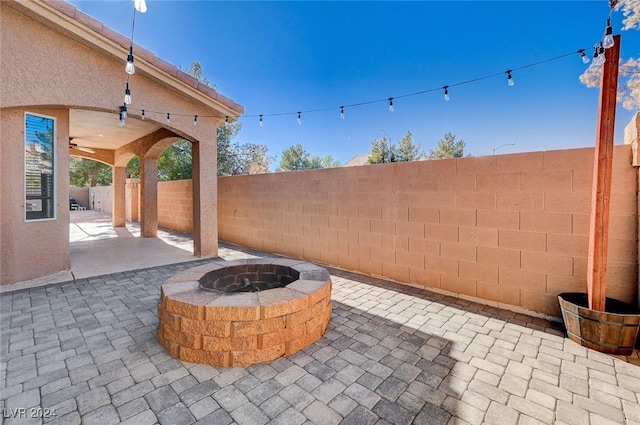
x,y
278,58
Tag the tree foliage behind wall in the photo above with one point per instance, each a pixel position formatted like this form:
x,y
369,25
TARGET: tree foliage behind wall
x,y
406,150
448,148
86,172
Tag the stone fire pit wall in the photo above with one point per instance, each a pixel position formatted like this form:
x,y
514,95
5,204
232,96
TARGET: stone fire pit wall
x,y
243,328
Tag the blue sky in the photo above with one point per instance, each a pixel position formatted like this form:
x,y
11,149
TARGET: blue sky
x,y
284,57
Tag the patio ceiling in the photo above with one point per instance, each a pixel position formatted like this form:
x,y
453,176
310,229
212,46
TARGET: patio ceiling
x,y
100,130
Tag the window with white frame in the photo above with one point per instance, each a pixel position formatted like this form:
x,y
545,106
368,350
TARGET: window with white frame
x,y
39,157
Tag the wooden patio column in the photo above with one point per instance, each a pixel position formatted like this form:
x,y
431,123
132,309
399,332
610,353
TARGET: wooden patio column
x,y
601,192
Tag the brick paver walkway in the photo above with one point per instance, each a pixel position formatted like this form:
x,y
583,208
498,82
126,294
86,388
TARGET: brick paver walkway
x,y
87,351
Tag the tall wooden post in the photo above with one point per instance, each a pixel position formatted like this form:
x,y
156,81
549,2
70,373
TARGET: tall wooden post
x,y
601,192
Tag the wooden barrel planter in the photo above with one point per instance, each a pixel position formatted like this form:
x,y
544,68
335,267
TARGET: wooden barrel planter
x,y
612,331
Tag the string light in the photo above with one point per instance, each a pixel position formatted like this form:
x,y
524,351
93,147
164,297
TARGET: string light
x,y
168,118
195,120
299,118
510,81
598,51
607,41
226,120
583,55
127,95
129,67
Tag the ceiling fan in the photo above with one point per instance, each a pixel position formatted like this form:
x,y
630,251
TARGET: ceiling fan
x,y
80,148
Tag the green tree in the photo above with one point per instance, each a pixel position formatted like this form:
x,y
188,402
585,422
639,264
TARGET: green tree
x,y
448,147
407,150
176,163
295,158
86,172
381,152
326,161
133,168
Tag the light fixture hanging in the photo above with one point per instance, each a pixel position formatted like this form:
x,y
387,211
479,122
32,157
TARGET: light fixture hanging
x,y
122,116
143,117
195,120
601,54
226,120
168,118
446,93
583,55
141,6
299,118
510,81
342,112
391,108
607,41
129,67
261,122
127,95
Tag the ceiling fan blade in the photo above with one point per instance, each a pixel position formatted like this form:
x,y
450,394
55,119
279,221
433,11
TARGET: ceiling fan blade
x,y
81,148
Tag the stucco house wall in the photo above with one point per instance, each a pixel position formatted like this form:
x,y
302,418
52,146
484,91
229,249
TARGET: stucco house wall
x,y
55,59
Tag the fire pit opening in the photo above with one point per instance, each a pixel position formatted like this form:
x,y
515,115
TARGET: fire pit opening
x,y
242,312
249,278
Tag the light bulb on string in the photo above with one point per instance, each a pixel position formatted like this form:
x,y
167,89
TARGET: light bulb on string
x,y
510,81
299,118
261,122
226,120
143,116
596,56
127,95
168,118
601,54
195,120
122,116
607,41
446,93
583,56
141,6
391,108
129,67
342,112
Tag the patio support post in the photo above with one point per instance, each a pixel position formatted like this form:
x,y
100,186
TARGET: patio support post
x,y
601,192
205,199
149,197
119,197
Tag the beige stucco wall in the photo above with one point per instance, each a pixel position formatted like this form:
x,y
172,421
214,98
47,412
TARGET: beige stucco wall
x,y
26,248
509,229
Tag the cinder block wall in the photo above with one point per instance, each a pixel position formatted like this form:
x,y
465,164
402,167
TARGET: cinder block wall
x,y
509,229
175,205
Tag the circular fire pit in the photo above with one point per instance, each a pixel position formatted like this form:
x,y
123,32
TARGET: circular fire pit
x,y
236,313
